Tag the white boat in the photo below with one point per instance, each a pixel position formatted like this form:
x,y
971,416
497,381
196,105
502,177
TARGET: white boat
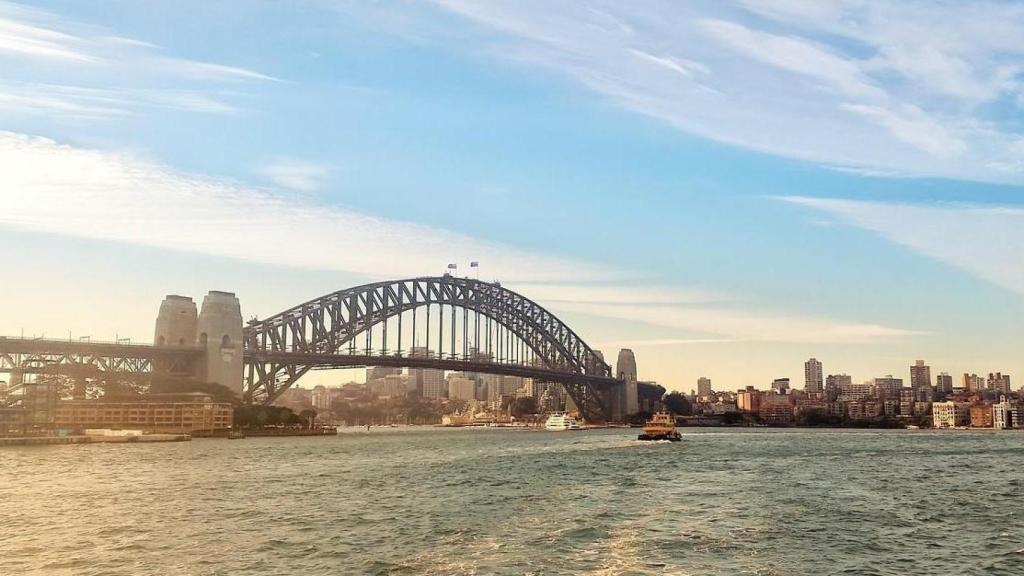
x,y
561,422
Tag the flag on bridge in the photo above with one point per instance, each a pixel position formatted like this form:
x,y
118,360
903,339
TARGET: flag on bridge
x,y
453,267
474,264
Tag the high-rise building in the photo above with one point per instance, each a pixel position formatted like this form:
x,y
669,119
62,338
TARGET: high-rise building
x,y
390,386
460,388
999,382
920,375
944,383
377,372
850,392
429,382
834,383
813,382
780,385
888,387
625,368
972,382
704,387
321,398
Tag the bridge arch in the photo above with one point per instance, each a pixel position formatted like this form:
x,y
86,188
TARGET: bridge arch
x,y
323,332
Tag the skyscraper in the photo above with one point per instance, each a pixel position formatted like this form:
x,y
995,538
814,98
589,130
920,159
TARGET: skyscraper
x,y
972,382
780,385
625,368
430,383
704,386
920,375
999,382
944,383
888,387
813,382
378,372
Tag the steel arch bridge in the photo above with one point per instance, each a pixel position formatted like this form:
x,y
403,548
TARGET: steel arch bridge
x,y
403,323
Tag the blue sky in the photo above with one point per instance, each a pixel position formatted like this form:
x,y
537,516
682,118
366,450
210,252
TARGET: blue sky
x,y
728,188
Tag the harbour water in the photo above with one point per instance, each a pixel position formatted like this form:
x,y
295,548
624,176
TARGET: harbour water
x,y
472,501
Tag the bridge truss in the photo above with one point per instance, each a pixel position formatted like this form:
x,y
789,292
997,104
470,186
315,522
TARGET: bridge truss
x,y
444,323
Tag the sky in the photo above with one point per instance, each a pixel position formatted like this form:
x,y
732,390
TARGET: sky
x,y
727,188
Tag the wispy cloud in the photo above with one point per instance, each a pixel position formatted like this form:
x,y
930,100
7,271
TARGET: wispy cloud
x,y
115,75
295,174
38,42
59,189
986,241
100,104
908,88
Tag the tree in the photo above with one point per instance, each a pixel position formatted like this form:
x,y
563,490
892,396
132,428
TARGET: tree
x,y
219,393
678,404
308,416
524,407
731,418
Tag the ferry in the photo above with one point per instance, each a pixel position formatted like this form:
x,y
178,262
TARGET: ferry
x,y
561,422
661,426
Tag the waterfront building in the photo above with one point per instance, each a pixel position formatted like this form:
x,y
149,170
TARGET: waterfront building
x,y
461,388
951,414
944,383
780,385
625,367
1004,415
981,416
999,382
776,409
749,399
813,380
188,412
704,387
807,404
863,410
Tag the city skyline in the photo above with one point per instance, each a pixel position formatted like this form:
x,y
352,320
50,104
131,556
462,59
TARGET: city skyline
x,y
625,178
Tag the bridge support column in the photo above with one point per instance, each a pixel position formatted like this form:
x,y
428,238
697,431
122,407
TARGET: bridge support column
x,y
220,334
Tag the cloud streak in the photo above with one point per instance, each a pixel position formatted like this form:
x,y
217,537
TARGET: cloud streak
x,y
986,241
122,75
53,188
907,88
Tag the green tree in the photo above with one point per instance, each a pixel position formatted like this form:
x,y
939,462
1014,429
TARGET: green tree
x,y
678,404
308,416
522,407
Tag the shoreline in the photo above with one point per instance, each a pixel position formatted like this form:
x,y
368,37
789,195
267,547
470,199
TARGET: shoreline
x,y
66,440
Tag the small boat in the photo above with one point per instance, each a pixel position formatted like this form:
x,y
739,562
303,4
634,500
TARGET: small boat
x,y
236,435
560,422
912,427
661,426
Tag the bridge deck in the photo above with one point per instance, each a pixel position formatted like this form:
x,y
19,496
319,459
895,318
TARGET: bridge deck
x,y
331,361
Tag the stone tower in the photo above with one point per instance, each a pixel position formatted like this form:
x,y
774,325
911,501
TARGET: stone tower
x,y
220,334
176,323
625,368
